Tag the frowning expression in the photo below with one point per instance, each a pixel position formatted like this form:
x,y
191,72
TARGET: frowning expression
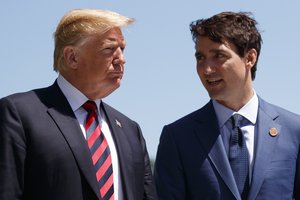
x,y
99,63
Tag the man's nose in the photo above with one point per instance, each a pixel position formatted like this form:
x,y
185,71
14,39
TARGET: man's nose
x,y
208,67
119,56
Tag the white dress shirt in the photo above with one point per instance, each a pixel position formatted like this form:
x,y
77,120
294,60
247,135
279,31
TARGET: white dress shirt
x,y
249,112
76,99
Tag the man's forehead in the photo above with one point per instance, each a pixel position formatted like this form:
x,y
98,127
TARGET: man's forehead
x,y
106,38
224,43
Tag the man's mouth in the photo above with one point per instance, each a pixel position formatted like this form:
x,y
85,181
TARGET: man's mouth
x,y
213,81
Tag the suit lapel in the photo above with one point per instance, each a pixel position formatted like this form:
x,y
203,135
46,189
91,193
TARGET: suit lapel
x,y
62,114
124,152
209,136
220,160
264,147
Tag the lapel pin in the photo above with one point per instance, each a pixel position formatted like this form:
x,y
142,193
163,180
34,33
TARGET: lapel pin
x,y
118,124
273,132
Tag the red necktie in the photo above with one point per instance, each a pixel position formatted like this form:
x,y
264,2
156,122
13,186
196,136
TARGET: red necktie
x,y
100,152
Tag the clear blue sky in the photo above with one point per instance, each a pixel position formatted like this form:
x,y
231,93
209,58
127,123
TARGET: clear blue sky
x,y
160,83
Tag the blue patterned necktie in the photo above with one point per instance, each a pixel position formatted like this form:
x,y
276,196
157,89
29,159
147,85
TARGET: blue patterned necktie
x,y
238,156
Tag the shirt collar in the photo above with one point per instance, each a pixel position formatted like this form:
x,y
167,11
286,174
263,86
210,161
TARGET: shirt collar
x,y
75,98
249,111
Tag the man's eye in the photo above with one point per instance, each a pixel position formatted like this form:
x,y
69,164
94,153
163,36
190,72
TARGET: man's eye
x,y
219,55
199,57
110,48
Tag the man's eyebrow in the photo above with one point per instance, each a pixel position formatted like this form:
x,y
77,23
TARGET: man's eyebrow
x,y
216,50
109,42
210,51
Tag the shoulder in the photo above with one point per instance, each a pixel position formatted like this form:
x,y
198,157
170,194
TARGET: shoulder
x,y
17,100
199,119
114,111
198,116
277,111
29,101
30,96
117,116
289,121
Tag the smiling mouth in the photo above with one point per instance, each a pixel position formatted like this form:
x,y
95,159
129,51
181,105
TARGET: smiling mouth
x,y
213,81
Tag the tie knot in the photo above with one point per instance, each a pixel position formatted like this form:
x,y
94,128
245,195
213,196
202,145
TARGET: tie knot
x,y
236,120
90,106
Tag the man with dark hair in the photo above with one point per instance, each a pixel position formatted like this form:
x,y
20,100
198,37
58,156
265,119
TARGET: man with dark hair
x,y
237,146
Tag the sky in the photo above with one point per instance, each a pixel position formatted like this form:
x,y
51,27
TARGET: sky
x,y
160,83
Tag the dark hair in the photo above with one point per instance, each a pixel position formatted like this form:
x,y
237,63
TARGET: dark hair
x,y
237,28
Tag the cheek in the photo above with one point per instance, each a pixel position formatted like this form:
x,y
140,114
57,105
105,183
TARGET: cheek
x,y
201,74
199,70
102,67
107,63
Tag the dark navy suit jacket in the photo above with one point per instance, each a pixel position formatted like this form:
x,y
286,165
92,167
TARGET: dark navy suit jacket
x,y
44,156
192,164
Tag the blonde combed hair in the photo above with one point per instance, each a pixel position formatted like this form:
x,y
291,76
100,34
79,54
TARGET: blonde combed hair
x,y
78,24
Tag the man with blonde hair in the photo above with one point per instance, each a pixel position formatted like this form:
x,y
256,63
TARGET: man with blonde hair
x,y
63,142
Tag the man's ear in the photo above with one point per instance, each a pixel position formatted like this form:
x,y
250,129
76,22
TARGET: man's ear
x,y
251,57
70,57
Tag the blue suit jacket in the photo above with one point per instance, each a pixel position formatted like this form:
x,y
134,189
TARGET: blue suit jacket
x,y
191,161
